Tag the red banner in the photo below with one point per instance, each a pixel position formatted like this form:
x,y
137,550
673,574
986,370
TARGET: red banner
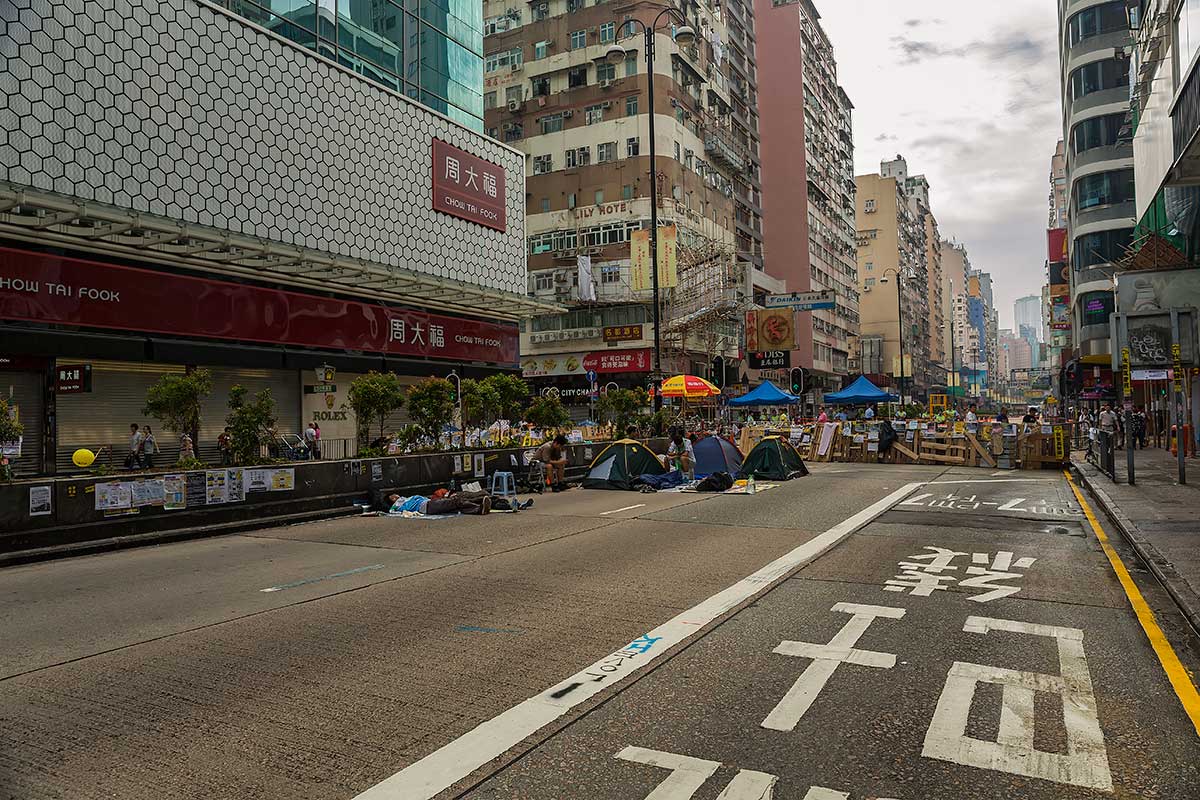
x,y
618,361
1056,241
467,187
37,287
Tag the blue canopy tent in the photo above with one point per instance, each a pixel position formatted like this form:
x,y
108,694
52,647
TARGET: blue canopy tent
x,y
861,392
766,394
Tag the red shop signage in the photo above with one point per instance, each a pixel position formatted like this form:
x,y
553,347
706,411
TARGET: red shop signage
x,y
36,287
618,361
468,187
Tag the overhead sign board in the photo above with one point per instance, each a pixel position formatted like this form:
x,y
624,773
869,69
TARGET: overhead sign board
x,y
468,187
771,359
73,378
803,301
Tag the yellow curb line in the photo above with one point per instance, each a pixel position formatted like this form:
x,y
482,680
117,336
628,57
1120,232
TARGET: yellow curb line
x,y
1185,690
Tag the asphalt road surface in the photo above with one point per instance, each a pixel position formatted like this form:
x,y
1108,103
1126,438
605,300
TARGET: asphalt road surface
x,y
909,633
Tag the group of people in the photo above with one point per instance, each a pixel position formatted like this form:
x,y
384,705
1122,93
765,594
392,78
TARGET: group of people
x,y
143,447
1110,421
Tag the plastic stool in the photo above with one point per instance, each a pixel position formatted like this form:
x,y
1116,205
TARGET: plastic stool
x,y
503,485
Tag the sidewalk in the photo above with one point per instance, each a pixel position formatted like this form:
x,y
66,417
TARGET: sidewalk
x,y
1158,517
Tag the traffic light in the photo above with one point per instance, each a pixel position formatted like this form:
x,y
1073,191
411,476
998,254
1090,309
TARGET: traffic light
x,y
797,380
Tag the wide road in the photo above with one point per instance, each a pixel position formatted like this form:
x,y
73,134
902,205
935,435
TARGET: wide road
x,y
896,632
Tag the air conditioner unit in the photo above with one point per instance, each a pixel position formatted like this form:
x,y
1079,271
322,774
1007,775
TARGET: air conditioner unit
x,y
606,105
514,105
606,84
560,276
514,67
568,113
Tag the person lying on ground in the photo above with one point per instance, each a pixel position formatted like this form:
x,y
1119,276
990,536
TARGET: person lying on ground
x,y
554,461
458,503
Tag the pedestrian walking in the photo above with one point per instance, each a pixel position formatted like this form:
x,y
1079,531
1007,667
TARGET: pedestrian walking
x,y
317,440
149,448
1140,424
134,459
225,447
310,440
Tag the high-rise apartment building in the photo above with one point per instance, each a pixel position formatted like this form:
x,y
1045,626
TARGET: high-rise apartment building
x,y
916,189
1094,71
891,248
1027,312
552,90
429,51
1058,187
808,181
955,267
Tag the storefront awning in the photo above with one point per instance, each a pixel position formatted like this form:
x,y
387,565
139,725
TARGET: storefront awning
x,y
33,215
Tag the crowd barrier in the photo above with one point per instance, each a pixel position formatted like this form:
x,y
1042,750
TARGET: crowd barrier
x,y
991,445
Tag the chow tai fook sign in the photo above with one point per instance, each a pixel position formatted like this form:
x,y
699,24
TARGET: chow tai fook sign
x,y
36,287
603,363
468,187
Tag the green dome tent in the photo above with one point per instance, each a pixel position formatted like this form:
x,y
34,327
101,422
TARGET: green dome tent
x,y
774,459
619,464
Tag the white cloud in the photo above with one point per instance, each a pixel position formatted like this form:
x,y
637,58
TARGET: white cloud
x,y
969,94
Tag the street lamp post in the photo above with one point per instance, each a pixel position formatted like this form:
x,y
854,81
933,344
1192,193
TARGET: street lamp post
x,y
899,324
684,36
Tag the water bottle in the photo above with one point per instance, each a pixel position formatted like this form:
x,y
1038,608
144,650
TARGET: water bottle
x,y
750,488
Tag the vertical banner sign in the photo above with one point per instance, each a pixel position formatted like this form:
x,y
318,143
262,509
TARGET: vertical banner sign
x,y
1177,365
1126,374
751,331
639,261
640,279
668,258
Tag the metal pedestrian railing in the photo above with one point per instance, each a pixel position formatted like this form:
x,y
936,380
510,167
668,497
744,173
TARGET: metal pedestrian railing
x,y
1102,453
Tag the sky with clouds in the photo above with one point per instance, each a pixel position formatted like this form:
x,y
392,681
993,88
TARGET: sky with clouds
x,y
968,92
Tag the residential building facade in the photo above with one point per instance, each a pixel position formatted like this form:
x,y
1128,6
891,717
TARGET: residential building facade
x,y
891,260
810,231
955,267
552,90
1058,187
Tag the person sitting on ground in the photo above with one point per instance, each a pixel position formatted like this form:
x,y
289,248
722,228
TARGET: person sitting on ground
x,y
680,454
554,461
458,503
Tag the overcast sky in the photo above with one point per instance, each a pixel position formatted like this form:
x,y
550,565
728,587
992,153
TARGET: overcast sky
x,y
968,93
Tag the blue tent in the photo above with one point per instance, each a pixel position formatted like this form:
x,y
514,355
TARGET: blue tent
x,y
714,454
861,392
767,394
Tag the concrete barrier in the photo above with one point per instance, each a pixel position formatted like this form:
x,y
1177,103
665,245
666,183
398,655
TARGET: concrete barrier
x,y
74,517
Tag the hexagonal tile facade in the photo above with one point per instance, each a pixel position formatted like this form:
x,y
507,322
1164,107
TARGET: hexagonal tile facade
x,y
173,108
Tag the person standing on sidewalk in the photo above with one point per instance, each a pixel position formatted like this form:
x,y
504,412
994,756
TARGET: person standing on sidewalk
x,y
1139,427
134,459
1108,421
149,448
310,441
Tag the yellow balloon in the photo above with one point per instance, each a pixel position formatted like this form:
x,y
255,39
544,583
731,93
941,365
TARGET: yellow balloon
x,y
83,457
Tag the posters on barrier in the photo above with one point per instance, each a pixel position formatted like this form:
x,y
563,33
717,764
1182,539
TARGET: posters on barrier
x,y
283,480
196,488
376,472
174,492
148,493
216,489
113,496
827,431
258,480
40,504
234,492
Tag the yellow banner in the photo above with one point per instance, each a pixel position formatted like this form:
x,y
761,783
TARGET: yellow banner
x,y
639,261
640,279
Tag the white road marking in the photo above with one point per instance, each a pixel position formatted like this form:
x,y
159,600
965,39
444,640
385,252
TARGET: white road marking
x,y
619,510
1086,761
980,480
1013,505
826,659
919,500
307,581
689,774
458,759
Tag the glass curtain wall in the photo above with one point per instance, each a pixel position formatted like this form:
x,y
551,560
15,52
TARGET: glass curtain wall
x,y
429,50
